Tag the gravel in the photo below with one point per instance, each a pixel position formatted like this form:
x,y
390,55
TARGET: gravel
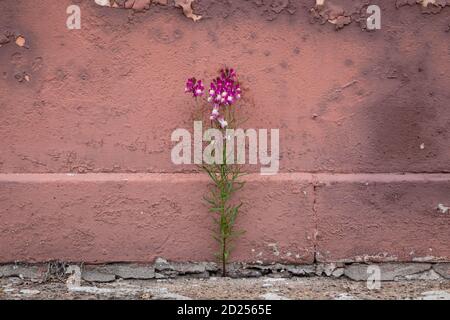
x,y
226,288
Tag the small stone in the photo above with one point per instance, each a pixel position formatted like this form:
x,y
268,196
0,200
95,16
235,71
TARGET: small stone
x,y
344,296
131,271
435,295
29,292
171,296
146,296
162,264
443,269
23,272
427,275
273,296
96,276
301,270
326,268
388,271
8,290
210,266
338,272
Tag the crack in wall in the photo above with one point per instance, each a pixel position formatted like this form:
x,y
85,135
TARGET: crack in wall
x,y
315,185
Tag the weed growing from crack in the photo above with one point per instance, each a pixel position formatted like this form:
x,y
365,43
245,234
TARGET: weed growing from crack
x,y
223,94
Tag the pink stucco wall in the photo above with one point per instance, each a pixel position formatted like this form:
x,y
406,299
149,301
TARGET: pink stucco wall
x,y
85,169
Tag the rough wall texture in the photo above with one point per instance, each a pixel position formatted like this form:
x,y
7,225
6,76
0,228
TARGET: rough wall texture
x,y
104,100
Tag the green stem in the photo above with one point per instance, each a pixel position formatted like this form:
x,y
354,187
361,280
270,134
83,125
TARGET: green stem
x,y
224,263
224,203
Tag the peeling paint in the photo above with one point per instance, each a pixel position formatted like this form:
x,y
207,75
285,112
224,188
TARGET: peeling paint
x,y
186,5
428,6
341,13
142,5
338,14
443,209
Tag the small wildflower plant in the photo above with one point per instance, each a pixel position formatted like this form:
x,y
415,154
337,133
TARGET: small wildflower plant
x,y
221,101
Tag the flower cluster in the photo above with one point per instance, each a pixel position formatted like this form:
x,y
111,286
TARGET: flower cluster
x,y
223,92
195,87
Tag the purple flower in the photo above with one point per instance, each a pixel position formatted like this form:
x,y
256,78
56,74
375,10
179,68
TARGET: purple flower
x,y
195,87
214,113
224,90
223,123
